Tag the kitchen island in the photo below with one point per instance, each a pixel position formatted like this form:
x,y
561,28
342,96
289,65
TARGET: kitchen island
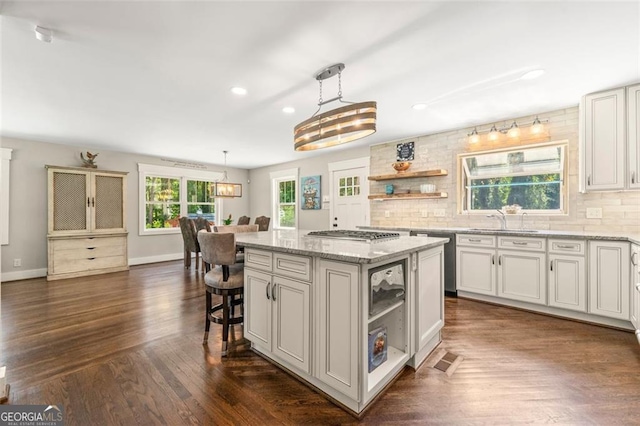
x,y
309,308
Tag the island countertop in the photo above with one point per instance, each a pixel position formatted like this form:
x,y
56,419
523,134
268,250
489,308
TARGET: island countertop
x,y
298,242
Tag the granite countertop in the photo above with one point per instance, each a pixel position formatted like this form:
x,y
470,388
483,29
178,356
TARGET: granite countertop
x,y
583,235
298,242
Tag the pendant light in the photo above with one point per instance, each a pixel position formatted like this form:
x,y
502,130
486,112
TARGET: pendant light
x,y
224,188
337,126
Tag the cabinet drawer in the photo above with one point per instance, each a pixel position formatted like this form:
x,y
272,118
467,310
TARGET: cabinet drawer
x,y
258,259
87,253
292,266
567,247
89,242
519,243
476,240
63,266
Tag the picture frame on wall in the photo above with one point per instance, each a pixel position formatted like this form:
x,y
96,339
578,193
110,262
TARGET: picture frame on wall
x,y
405,151
310,190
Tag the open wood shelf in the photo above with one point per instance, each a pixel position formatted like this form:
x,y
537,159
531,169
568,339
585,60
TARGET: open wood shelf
x,y
407,175
411,196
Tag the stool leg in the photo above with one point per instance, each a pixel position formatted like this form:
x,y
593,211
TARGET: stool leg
x,y
207,321
225,324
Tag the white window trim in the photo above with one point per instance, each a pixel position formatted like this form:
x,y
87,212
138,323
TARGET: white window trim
x,y
564,208
275,177
5,168
145,170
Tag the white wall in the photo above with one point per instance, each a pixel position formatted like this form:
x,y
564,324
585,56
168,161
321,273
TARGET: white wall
x,y
260,187
28,208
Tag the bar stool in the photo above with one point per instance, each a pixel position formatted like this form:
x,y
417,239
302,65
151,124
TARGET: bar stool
x,y
226,280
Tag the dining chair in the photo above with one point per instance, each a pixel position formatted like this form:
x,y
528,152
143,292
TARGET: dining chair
x,y
202,223
244,220
263,223
190,240
225,279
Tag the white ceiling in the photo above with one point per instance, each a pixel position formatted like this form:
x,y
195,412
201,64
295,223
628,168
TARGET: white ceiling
x,y
155,77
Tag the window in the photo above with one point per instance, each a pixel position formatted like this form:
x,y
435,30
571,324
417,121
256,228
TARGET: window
x,y
170,193
532,177
284,199
349,186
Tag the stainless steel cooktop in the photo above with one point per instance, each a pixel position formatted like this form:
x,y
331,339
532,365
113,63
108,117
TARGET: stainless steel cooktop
x,y
346,234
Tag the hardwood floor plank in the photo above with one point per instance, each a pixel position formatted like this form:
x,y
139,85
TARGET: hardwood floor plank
x,y
126,349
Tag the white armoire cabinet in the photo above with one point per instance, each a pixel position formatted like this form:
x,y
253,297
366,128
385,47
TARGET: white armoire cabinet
x,y
87,232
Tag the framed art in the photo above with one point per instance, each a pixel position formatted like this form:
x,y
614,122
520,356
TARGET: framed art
x,y
404,151
311,196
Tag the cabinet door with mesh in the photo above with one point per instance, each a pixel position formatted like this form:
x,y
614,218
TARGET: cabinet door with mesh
x,y
69,199
108,202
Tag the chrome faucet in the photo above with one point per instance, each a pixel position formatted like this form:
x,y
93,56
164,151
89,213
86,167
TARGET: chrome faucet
x,y
501,218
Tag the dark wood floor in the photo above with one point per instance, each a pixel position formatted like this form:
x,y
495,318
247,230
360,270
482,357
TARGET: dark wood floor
x,y
126,348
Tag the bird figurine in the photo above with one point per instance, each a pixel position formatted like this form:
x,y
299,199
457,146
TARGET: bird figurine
x,y
90,161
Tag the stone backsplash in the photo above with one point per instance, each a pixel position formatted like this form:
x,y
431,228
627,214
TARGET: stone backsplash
x,y
620,209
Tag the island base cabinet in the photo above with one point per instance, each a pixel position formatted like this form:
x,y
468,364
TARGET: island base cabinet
x,y
337,329
277,317
429,303
609,279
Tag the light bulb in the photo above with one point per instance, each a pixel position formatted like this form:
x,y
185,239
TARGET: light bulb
x,y
514,130
493,133
537,127
474,137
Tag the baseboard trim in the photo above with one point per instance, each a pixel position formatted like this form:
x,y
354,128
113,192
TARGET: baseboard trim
x,y
23,275
155,259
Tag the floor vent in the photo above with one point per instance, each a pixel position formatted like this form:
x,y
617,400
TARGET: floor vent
x,y
444,361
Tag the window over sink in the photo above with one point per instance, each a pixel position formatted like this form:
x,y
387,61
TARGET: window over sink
x,y
533,177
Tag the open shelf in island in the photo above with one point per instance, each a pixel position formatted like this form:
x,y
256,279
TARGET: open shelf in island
x,y
407,175
395,357
412,196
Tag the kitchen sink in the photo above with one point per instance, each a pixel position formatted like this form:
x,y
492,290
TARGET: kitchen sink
x,y
528,231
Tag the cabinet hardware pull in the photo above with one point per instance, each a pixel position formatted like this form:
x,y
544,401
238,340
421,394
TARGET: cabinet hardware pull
x,y
520,243
474,240
493,259
551,265
638,286
633,259
91,258
90,248
93,202
589,180
633,177
268,284
500,260
567,246
273,292
88,201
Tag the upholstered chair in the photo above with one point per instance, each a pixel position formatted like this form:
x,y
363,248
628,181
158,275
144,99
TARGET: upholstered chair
x,y
225,279
202,223
190,239
244,220
263,223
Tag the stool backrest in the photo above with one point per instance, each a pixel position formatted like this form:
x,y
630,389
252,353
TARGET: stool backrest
x,y
202,223
243,220
263,223
217,248
189,234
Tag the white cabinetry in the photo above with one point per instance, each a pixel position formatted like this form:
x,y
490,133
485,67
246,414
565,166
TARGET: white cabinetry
x,y
610,139
277,317
86,222
338,342
609,279
635,288
429,303
567,274
633,135
475,265
522,269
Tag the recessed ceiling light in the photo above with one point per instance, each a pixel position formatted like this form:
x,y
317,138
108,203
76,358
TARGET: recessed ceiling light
x,y
419,106
532,74
239,90
288,110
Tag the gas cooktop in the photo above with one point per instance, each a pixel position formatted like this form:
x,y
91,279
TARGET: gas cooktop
x,y
346,234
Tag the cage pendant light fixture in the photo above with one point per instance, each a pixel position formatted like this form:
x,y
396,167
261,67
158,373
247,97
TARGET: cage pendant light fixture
x,y
225,189
344,124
